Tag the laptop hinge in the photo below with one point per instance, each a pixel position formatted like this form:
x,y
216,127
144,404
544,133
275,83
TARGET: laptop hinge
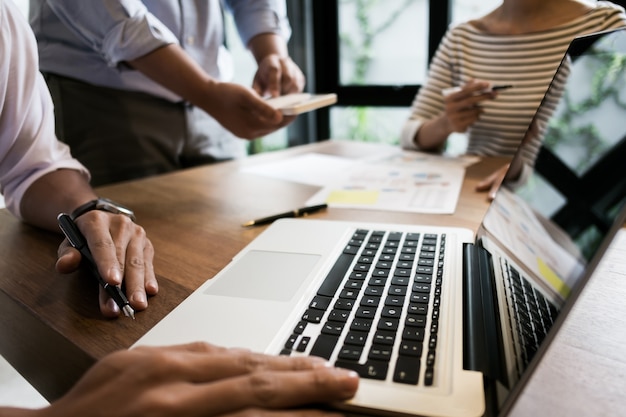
x,y
482,341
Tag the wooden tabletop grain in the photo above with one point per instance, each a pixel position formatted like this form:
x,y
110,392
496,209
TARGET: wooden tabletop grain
x,y
51,330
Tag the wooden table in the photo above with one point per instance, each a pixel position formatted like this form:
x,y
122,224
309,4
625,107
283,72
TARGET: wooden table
x,y
50,326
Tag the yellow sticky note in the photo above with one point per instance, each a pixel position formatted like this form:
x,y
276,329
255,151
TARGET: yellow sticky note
x,y
353,197
554,280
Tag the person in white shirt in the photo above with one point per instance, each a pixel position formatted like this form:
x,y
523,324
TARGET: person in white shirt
x,y
143,87
39,178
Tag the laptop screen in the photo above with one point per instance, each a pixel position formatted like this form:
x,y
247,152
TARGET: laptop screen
x,y
564,195
567,184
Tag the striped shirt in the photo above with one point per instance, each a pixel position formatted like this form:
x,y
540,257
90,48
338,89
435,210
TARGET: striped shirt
x,y
528,62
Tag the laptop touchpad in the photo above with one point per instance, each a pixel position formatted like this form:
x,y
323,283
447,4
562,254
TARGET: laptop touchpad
x,y
264,275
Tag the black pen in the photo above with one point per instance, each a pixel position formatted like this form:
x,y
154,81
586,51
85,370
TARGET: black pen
x,y
293,213
77,240
501,87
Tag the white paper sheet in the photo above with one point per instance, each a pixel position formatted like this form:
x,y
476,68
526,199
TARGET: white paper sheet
x,y
311,168
396,180
421,187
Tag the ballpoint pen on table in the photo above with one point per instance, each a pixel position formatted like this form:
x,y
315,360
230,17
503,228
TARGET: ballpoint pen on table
x,y
293,213
77,240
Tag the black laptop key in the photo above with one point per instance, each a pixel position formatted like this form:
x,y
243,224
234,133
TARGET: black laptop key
x,y
401,280
354,284
407,370
415,320
404,265
338,316
423,278
418,308
389,324
350,353
384,337
371,369
429,376
364,268
324,346
320,303
304,342
366,312
356,338
299,329
413,333
335,276
344,304
332,328
349,294
410,348
290,343
432,341
362,325
391,312
313,315
380,352
420,287
410,257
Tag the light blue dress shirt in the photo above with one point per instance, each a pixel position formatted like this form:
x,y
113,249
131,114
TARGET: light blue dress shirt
x,y
89,40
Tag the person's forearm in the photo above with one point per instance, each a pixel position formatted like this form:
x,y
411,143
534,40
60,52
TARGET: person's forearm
x,y
59,191
432,134
267,44
172,68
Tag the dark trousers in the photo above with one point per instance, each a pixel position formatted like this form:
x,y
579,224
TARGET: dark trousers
x,y
120,135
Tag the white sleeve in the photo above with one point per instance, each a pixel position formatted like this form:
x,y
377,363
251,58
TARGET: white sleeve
x,y
29,148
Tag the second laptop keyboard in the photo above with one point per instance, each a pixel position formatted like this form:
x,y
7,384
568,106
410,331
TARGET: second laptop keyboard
x,y
377,311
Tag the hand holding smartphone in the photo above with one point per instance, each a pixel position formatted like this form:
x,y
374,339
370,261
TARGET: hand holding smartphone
x,y
293,104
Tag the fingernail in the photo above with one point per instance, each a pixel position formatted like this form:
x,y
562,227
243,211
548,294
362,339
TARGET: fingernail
x,y
112,305
321,362
349,381
139,297
116,274
345,373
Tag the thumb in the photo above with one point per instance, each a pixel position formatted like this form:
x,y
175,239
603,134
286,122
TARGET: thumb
x,y
68,258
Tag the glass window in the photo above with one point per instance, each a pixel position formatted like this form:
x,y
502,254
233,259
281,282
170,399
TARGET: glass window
x,y
386,43
463,10
368,124
383,42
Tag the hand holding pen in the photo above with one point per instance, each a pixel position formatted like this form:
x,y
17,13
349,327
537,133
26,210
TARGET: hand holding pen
x,y
122,245
463,103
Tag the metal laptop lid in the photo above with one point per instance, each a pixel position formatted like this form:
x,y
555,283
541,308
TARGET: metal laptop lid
x,y
563,198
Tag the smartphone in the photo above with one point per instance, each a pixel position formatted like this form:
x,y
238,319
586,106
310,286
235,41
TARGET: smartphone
x,y
293,104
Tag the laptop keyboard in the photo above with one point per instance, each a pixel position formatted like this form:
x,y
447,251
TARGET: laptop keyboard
x,y
531,314
377,311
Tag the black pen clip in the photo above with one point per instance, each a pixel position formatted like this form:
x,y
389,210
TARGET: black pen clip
x,y
70,231
73,235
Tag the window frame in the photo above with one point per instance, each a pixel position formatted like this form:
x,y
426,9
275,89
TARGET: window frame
x,y
315,26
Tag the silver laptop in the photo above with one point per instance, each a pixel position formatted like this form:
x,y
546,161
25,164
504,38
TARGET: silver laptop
x,y
441,321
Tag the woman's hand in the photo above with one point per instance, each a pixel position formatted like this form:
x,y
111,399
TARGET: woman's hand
x,y
493,182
